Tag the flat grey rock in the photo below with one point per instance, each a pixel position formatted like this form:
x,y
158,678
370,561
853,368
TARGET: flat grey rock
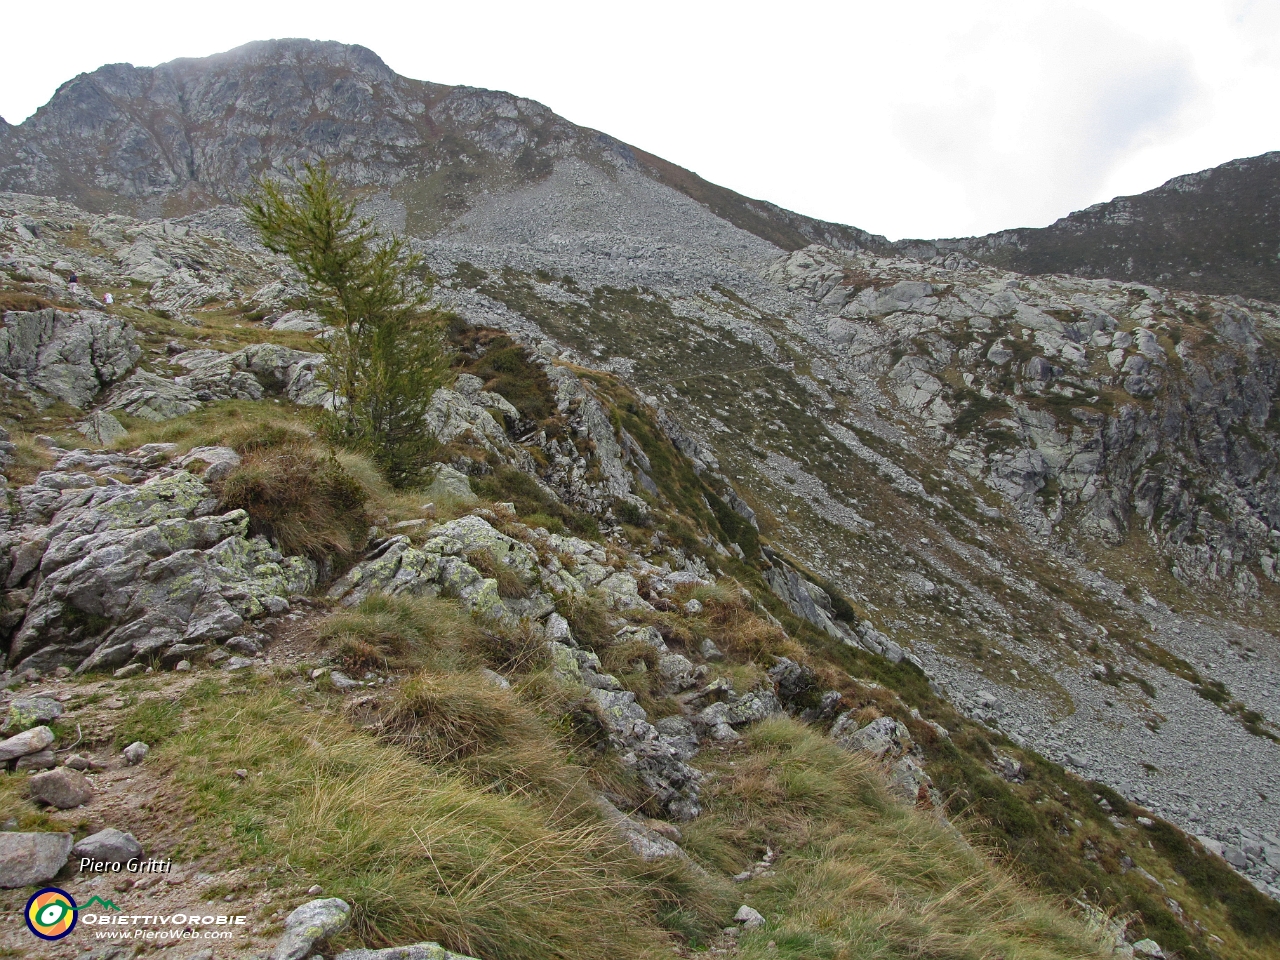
x,y
27,859
44,760
109,845
29,741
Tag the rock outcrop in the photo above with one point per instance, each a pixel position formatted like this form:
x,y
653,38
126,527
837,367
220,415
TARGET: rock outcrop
x,y
118,572
70,357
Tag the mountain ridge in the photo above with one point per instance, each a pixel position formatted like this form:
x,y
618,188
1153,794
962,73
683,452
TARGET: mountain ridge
x,y
1214,231
437,144
175,138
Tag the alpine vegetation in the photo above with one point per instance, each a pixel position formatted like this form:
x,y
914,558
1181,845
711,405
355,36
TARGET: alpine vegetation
x,y
383,350
489,540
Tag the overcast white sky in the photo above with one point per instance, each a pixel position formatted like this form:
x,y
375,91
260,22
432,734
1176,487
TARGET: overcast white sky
x,y
911,119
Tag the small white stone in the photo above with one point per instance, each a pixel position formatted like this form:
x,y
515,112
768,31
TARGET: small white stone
x,y
135,752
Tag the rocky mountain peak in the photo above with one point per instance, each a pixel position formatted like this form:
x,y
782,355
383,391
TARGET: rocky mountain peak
x,y
193,133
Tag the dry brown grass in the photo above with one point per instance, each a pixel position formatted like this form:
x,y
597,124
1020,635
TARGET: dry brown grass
x,y
23,302
420,852
467,721
741,633
29,459
448,717
509,582
590,618
402,633
860,875
305,502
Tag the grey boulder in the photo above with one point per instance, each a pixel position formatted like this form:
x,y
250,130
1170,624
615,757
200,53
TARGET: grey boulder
x,y
881,738
71,356
30,858
135,753
151,397
28,712
110,846
63,788
254,371
450,484
132,570
216,462
314,921
44,760
29,741
101,428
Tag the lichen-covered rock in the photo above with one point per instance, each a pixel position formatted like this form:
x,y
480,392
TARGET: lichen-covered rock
x,y
678,672
572,396
475,533
101,428
450,485
149,396
254,371
754,706
658,764
298,321
70,356
217,463
882,737
454,416
397,566
28,712
247,374
130,570
909,782
309,924
564,662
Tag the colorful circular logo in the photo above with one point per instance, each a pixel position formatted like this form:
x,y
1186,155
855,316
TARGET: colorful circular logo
x,y
51,913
